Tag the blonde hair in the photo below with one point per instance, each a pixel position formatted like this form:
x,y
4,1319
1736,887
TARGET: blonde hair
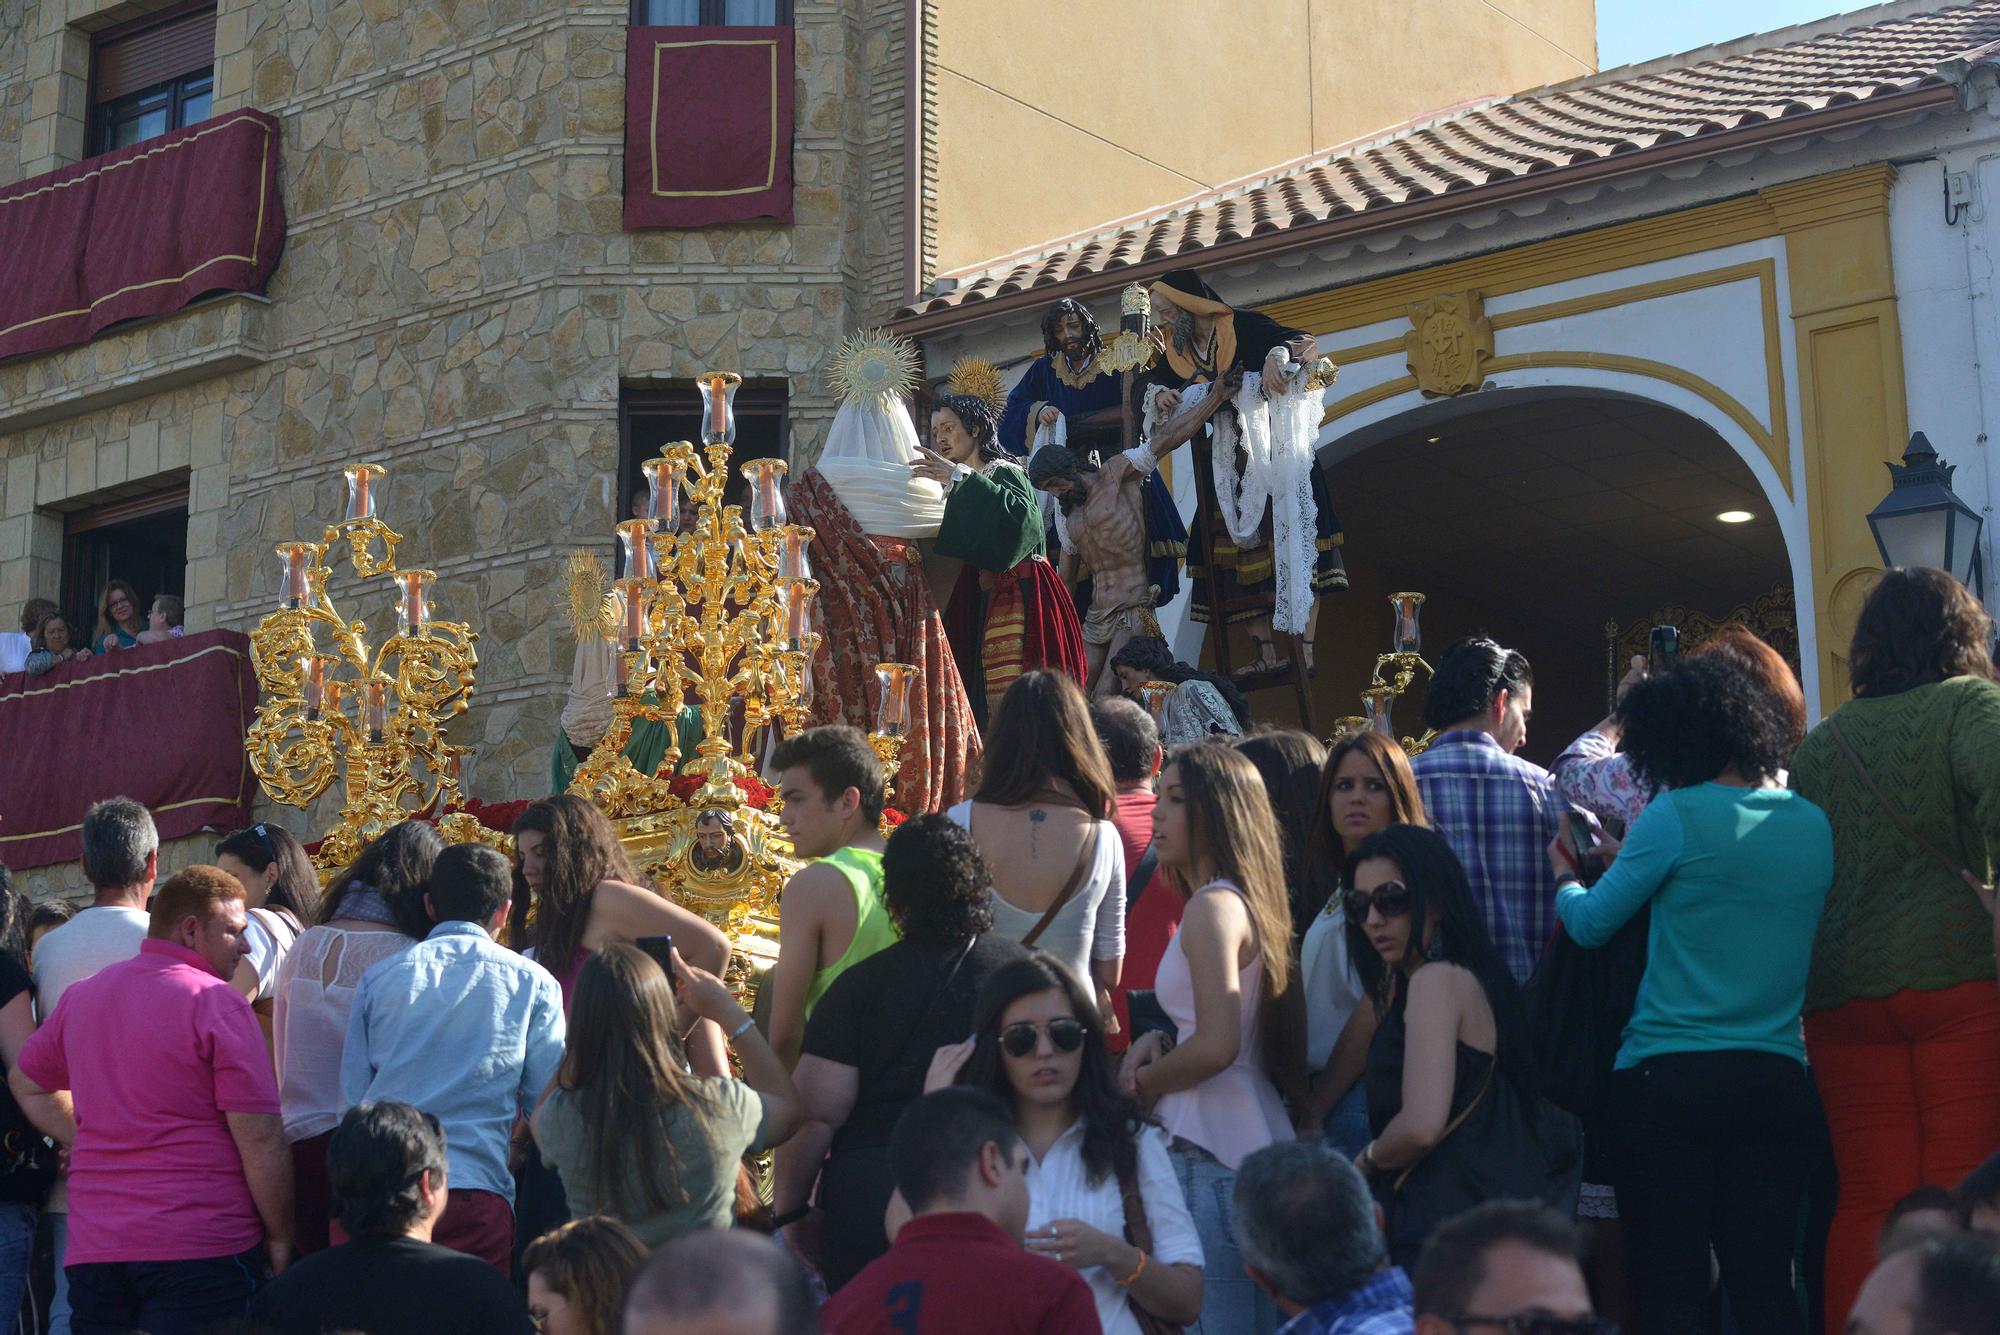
x,y
1233,835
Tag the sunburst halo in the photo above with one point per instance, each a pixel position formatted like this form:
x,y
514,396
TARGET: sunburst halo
x,y
872,363
981,379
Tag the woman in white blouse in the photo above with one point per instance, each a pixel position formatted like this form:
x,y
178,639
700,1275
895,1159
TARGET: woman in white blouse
x,y
1039,1045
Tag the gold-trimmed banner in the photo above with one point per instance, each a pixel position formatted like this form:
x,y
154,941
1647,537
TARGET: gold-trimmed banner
x,y
139,232
162,724
708,125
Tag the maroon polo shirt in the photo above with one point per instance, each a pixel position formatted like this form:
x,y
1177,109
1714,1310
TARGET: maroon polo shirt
x,y
959,1274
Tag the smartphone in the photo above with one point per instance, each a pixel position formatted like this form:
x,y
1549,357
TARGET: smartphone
x,y
1663,652
1589,863
661,948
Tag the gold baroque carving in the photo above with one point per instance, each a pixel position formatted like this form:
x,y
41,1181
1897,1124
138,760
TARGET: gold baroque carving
x,y
1449,343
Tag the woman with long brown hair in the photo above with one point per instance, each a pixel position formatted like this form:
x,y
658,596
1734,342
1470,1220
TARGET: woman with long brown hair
x,y
1366,785
1040,819
1221,982
280,899
578,1274
1902,1011
118,619
585,894
633,1134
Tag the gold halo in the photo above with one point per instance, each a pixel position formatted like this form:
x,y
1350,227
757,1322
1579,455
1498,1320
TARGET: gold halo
x,y
584,580
981,379
872,363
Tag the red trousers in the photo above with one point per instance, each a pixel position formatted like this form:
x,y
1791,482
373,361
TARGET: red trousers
x,y
1911,1087
312,1195
478,1223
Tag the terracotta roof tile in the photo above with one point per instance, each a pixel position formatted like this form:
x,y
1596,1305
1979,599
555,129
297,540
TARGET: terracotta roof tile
x,y
1545,130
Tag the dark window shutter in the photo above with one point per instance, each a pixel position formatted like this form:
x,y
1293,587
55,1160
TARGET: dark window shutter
x,y
154,55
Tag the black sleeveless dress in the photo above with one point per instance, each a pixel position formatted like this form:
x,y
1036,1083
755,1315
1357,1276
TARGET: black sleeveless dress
x,y
1493,1153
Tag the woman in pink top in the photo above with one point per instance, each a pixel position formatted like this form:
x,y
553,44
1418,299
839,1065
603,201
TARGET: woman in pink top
x,y
1211,1090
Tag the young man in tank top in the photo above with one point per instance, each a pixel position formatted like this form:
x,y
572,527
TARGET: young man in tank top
x,y
830,916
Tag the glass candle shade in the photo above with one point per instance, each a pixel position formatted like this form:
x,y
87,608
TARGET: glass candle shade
x,y
663,492
312,677
294,580
336,691
767,497
620,676
1349,725
632,537
633,592
413,613
1154,694
793,560
458,768
1408,638
1377,702
798,612
892,714
361,489
375,709
718,406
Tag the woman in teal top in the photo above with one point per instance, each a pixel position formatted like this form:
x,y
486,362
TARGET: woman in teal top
x,y
1714,1121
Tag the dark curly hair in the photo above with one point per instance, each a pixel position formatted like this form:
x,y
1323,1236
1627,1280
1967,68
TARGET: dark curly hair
x,y
1686,726
977,418
1093,341
1110,1118
1470,674
1155,658
1918,626
934,883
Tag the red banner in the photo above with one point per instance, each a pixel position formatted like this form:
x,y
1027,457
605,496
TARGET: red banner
x,y
708,126
162,723
141,231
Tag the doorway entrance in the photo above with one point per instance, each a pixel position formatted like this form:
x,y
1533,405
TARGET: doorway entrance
x,y
1556,523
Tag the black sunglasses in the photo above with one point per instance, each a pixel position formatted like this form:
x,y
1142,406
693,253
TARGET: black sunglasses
x,y
1536,1325
1391,899
1018,1040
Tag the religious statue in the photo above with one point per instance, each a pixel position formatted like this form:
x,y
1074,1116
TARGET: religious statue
x,y
1009,613
1272,534
717,849
595,616
868,513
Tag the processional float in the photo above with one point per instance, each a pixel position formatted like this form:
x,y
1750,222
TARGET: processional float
x,y
713,613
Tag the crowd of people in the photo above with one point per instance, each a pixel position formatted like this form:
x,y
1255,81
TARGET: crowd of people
x,y
1698,1031
47,639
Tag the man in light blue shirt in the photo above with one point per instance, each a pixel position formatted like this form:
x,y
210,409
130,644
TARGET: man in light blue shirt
x,y
468,1031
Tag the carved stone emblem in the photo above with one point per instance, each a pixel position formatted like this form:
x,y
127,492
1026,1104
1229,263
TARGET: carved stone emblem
x,y
1449,343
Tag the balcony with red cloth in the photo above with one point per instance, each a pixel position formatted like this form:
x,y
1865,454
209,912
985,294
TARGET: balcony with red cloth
x,y
139,232
161,723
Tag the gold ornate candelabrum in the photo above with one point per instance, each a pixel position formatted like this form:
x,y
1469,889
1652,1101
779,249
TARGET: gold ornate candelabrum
x,y
1395,672
715,617
331,707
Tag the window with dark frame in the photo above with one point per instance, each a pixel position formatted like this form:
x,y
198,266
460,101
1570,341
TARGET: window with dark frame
x,y
712,13
152,76
139,538
649,418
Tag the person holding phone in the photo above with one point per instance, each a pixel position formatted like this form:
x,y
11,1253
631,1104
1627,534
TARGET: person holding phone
x,y
632,1134
1714,1122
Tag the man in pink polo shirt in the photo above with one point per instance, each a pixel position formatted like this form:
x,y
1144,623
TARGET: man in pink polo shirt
x,y
155,1074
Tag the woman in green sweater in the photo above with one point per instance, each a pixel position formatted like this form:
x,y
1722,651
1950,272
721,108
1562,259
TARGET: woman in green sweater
x,y
1902,1014
1713,1117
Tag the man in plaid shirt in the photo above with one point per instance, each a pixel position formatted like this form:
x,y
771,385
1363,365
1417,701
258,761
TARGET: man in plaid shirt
x,y
1497,811
1312,1238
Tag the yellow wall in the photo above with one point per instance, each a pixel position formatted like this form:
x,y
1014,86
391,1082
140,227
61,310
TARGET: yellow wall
x,y
1053,119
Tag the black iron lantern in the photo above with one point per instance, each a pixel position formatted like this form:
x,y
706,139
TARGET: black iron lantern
x,y
1922,521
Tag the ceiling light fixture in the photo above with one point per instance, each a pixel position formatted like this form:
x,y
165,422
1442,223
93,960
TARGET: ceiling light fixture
x,y
1735,517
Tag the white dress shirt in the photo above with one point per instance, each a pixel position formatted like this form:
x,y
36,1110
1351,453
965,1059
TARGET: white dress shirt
x,y
1059,1187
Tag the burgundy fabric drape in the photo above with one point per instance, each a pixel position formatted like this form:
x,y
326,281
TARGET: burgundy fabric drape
x,y
875,607
141,231
162,723
708,126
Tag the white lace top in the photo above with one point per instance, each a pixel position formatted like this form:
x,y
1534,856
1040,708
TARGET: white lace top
x,y
316,985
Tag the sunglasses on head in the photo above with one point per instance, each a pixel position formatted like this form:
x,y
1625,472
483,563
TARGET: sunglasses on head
x,y
1535,1325
1391,899
265,840
1018,1040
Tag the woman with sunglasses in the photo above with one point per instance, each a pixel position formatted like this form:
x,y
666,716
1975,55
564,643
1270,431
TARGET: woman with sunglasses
x,y
1038,1044
1714,1121
280,898
1452,1096
1221,981
372,909
1366,785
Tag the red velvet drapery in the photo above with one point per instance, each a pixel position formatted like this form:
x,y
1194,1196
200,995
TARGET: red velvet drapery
x,y
708,126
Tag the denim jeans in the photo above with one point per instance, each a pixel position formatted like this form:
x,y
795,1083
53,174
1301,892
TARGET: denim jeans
x,y
17,1250
59,1312
165,1297
1346,1125
1230,1303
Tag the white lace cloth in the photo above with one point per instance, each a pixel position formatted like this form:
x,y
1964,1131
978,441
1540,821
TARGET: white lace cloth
x,y
1056,434
869,450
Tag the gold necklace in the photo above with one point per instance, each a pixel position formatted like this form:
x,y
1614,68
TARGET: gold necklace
x,y
1076,379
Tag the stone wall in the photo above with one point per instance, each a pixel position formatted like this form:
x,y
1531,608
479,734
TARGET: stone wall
x,y
457,302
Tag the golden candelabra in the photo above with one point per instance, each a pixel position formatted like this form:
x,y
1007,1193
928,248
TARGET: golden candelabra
x,y
1401,665
332,707
715,619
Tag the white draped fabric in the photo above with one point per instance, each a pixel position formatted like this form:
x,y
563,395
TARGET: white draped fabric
x,y
867,461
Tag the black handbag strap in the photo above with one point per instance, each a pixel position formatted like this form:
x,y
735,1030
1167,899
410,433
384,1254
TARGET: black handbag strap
x,y
1141,876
